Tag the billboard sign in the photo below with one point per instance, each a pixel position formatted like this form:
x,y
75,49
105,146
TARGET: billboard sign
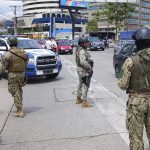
x,y
74,3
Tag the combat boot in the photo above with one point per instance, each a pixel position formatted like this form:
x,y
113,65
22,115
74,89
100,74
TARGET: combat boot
x,y
85,104
78,100
19,113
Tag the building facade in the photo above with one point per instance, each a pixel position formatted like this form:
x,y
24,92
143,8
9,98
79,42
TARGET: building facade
x,y
141,16
40,6
46,13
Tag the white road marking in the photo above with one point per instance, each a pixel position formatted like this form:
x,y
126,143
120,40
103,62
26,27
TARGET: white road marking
x,y
114,111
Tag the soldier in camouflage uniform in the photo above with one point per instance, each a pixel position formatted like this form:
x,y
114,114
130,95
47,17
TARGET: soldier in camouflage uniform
x,y
84,70
135,79
15,61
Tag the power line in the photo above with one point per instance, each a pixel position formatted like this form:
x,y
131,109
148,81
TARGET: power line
x,y
15,18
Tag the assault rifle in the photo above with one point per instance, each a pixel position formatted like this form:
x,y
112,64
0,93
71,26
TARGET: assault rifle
x,y
87,78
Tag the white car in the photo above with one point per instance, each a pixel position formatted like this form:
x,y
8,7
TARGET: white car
x,y
42,62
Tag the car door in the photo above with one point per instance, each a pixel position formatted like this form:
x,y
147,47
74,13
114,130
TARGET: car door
x,y
125,52
3,47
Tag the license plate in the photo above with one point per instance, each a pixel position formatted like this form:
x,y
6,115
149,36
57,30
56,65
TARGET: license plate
x,y
39,72
48,71
55,70
98,47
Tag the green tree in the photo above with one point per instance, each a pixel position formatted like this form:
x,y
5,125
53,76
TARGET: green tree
x,y
117,14
97,14
92,26
20,30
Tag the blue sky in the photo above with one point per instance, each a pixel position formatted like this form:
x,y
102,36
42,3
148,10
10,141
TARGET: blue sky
x,y
6,12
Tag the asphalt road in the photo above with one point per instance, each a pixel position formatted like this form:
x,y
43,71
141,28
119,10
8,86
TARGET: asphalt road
x,y
54,122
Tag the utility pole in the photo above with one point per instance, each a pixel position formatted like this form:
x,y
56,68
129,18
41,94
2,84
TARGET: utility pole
x,y
139,20
15,18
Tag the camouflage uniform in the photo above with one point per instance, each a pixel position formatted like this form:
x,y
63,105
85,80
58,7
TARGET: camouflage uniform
x,y
138,104
16,75
83,65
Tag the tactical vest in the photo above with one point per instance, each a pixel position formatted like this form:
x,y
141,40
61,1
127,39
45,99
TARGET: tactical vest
x,y
17,61
140,77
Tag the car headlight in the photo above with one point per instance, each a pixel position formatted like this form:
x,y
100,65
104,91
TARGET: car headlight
x,y
31,61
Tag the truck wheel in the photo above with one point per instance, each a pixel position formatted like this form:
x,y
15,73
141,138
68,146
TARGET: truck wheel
x,y
52,76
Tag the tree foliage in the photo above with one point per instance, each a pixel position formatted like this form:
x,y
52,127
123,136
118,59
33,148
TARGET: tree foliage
x,y
92,25
117,14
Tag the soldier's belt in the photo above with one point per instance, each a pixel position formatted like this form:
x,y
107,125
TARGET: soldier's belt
x,y
146,92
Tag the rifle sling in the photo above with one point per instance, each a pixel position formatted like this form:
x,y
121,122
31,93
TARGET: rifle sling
x,y
17,56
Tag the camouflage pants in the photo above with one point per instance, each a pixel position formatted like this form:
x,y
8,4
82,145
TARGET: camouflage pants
x,y
15,82
138,115
1,68
82,88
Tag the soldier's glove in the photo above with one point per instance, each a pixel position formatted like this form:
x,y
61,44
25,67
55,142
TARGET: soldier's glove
x,y
0,76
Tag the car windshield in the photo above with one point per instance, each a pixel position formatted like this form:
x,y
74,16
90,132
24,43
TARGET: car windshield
x,y
94,39
28,44
41,41
64,43
124,42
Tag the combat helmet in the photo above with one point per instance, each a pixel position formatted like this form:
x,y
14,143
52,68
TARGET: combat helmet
x,y
142,33
142,38
12,40
83,40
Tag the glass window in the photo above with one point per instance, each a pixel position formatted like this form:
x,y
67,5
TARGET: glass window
x,y
2,43
29,44
127,49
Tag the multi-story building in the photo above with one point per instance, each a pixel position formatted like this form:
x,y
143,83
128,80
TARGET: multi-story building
x,y
141,16
40,11
39,6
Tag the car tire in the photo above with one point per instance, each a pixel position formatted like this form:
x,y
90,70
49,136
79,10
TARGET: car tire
x,y
52,76
71,52
117,71
102,49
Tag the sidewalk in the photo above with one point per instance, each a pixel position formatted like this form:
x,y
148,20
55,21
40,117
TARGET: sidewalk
x,y
6,103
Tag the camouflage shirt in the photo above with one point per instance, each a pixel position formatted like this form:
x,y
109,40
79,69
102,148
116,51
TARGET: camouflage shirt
x,y
125,74
84,59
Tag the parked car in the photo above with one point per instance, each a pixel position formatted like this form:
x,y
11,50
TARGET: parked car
x,y
120,57
121,44
96,43
42,62
74,42
64,46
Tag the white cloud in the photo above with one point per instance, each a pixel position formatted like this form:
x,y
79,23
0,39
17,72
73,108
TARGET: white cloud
x,y
6,11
